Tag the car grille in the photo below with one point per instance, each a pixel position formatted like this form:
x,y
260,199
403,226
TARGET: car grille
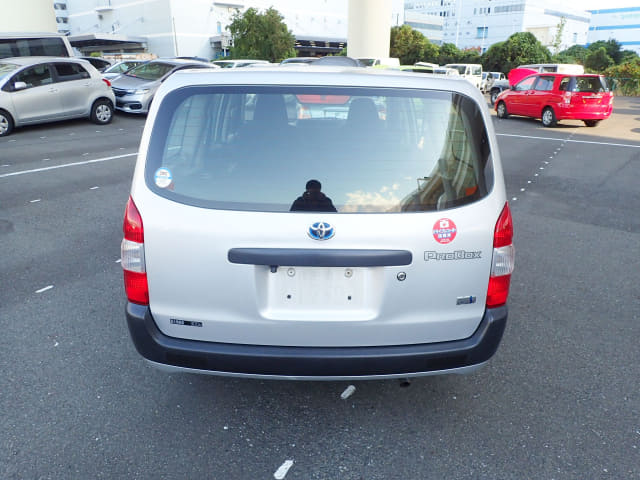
x,y
119,92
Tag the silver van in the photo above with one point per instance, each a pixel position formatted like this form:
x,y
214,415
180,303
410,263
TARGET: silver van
x,y
317,223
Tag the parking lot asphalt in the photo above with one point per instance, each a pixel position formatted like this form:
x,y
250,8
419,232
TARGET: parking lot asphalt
x,y
560,399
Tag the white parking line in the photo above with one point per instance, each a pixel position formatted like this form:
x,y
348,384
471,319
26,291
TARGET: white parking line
x,y
44,169
565,140
282,471
44,289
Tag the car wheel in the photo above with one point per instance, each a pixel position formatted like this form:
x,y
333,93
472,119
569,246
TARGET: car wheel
x,y
549,118
493,96
102,112
6,123
501,110
591,123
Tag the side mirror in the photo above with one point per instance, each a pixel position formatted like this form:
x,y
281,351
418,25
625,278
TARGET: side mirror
x,y
19,86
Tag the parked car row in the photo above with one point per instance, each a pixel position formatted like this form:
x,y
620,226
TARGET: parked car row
x,y
45,89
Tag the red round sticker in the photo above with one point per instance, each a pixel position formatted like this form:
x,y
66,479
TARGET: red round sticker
x,y
444,231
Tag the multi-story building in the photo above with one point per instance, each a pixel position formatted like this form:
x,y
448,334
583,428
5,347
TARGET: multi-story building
x,y
27,16
620,24
62,16
477,24
431,26
197,27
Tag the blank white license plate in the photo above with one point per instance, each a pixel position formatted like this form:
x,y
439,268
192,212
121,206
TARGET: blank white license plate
x,y
322,288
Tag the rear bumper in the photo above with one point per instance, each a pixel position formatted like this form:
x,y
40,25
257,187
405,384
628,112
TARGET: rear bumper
x,y
316,362
571,113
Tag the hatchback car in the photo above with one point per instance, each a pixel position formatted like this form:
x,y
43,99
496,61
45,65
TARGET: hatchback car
x,y
119,68
46,89
557,96
371,244
136,88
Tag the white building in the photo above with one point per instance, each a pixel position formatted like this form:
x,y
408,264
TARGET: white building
x,y
197,27
477,24
431,26
620,24
27,16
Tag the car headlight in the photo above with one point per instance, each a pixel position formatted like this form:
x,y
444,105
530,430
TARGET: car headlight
x,y
140,91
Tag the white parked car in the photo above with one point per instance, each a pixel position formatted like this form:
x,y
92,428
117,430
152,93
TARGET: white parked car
x,y
47,89
372,241
239,63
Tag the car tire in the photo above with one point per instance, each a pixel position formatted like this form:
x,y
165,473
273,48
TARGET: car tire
x,y
501,110
591,123
549,117
6,123
493,95
102,112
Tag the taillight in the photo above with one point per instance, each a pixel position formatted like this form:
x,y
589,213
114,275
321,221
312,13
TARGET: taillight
x,y
107,82
503,260
132,256
567,97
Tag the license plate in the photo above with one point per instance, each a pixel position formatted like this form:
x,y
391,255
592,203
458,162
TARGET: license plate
x,y
311,292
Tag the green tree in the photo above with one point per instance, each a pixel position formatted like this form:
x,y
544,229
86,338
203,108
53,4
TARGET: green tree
x,y
449,53
574,54
407,44
470,56
519,49
612,48
493,58
263,36
628,56
625,78
557,39
598,60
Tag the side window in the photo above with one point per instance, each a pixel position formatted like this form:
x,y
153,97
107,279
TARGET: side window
x,y
34,76
564,84
544,84
70,71
526,84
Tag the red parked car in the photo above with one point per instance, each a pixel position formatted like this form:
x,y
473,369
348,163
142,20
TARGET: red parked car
x,y
558,96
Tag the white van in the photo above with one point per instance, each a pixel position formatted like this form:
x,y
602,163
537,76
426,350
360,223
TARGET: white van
x,y
372,240
34,45
568,68
380,62
470,71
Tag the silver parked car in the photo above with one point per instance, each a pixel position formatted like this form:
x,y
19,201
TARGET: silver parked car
x,y
136,88
46,89
119,68
373,240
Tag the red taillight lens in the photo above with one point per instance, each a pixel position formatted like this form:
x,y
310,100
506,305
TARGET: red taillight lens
x,y
132,225
503,233
502,262
136,287
132,256
107,82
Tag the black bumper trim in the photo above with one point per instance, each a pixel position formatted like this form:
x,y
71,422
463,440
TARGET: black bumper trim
x,y
311,362
316,257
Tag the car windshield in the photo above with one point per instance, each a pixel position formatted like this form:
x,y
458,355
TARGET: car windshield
x,y
223,64
7,69
150,71
372,150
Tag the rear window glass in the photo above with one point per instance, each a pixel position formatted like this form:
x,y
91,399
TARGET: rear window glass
x,y
590,84
151,70
319,149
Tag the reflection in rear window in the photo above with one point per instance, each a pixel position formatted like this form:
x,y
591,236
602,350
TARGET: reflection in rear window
x,y
371,150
